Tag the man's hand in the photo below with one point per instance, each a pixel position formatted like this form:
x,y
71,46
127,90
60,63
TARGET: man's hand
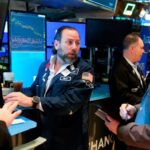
x,y
127,111
112,124
7,113
22,99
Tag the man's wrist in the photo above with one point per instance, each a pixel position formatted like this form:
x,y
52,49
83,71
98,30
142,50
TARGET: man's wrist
x,y
35,101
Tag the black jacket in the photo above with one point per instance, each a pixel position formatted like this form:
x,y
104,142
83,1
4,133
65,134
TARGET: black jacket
x,y
65,116
125,85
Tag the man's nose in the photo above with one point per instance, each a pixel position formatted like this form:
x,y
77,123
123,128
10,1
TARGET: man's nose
x,y
75,45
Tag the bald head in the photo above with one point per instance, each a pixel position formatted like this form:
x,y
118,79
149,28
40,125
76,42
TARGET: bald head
x,y
133,47
129,40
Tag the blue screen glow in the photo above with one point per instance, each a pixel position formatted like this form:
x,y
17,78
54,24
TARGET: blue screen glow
x,y
53,26
25,65
145,35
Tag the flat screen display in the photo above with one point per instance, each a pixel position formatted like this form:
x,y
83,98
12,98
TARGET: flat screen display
x,y
25,65
106,32
53,26
107,4
27,31
145,35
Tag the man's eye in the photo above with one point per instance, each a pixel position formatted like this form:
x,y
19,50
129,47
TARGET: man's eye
x,y
77,43
69,42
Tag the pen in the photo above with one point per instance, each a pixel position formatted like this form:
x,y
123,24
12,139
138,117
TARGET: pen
x,y
126,105
127,112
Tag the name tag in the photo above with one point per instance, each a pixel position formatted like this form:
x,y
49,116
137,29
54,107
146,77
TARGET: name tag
x,y
65,72
63,78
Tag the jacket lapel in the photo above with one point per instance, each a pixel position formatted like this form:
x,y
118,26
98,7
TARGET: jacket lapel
x,y
44,78
142,77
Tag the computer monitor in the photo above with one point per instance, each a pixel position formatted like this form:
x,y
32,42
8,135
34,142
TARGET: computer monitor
x,y
27,45
27,31
25,65
53,26
106,32
106,4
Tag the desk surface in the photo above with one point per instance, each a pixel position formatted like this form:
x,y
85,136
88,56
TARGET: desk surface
x,y
100,92
21,127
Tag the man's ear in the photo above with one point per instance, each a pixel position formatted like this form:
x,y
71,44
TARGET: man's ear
x,y
56,44
132,48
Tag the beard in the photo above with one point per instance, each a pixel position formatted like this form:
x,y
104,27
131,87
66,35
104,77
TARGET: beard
x,y
68,58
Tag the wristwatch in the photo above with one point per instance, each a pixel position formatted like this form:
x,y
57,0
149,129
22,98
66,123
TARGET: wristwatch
x,y
35,101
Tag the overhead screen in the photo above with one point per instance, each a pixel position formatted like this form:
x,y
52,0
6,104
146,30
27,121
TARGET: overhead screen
x,y
106,32
106,4
27,45
53,26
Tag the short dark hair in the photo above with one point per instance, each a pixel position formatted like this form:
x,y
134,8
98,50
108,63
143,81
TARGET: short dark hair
x,y
58,35
130,39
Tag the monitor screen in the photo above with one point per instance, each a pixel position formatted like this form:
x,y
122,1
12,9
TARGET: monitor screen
x,y
3,12
27,31
53,26
27,45
25,65
106,32
107,4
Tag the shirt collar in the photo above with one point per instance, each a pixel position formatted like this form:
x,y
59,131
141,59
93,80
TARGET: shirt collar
x,y
130,63
52,65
